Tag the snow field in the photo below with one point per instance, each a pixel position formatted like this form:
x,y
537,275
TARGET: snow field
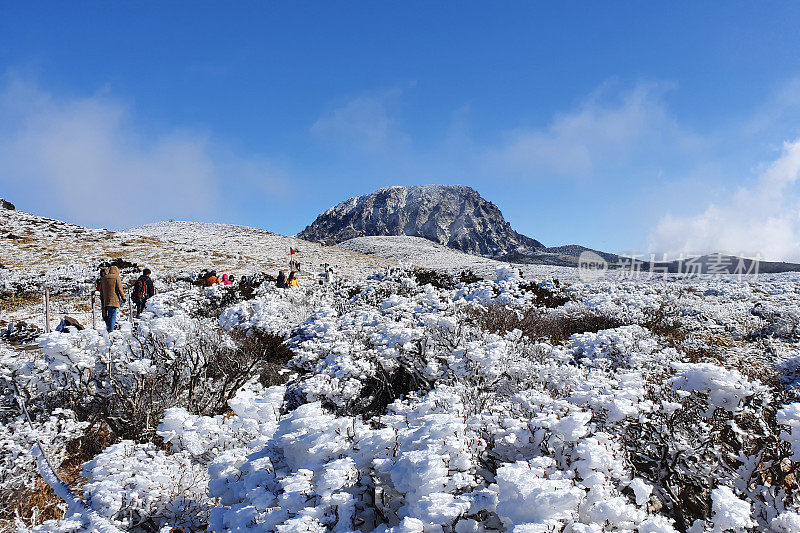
x,y
401,414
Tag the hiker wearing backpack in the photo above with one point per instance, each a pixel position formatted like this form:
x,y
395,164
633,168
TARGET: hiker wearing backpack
x,y
98,289
111,295
142,290
211,280
281,281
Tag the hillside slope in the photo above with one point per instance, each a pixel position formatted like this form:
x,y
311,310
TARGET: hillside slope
x,y
245,249
421,252
39,252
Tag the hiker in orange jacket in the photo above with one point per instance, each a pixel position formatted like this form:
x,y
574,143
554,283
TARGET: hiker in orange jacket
x,y
212,279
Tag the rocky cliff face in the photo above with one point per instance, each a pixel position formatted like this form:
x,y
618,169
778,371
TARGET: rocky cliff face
x,y
453,215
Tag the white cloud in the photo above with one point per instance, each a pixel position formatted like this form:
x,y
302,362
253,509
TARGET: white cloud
x,y
781,109
601,136
87,161
763,218
363,123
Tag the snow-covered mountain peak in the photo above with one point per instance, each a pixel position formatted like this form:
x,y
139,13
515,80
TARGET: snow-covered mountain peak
x,y
454,215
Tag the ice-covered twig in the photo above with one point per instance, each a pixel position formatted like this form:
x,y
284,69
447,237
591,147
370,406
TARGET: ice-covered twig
x,y
76,505
51,477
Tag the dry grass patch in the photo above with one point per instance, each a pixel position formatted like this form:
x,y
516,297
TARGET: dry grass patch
x,y
16,301
536,323
36,504
32,506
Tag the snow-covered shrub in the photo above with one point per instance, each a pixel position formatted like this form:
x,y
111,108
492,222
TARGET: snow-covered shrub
x,y
22,496
783,324
170,361
277,315
789,416
625,347
715,429
533,492
339,473
467,276
549,295
726,388
786,522
356,363
135,483
615,406
18,472
730,513
439,280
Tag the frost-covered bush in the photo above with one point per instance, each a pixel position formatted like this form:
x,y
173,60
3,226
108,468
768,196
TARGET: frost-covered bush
x,y
774,323
481,405
55,426
135,483
130,383
276,315
18,472
439,280
428,460
714,429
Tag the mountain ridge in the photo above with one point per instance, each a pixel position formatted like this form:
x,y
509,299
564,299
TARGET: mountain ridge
x,y
456,216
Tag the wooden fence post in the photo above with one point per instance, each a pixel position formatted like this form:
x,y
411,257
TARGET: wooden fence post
x,y
47,310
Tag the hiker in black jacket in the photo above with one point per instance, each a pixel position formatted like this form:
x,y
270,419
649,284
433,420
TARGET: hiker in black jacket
x,y
142,290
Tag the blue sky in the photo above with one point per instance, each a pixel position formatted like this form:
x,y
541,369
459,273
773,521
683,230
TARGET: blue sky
x,y
622,126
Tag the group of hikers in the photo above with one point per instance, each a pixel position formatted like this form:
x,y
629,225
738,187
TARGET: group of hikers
x,y
210,279
112,294
284,283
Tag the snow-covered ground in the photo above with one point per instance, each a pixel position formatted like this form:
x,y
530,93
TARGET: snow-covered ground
x,y
38,252
252,248
421,252
535,403
35,246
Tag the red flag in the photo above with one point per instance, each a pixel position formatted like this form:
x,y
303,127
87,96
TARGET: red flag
x,y
291,251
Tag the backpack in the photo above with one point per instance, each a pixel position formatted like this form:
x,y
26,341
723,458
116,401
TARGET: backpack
x,y
139,291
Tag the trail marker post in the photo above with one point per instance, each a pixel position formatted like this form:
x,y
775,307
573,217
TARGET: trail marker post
x,y
94,318
47,310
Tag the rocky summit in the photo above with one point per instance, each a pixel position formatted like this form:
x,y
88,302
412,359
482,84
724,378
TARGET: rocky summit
x,y
452,215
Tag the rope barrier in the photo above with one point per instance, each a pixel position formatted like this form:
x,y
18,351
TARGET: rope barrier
x,y
51,477
89,319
